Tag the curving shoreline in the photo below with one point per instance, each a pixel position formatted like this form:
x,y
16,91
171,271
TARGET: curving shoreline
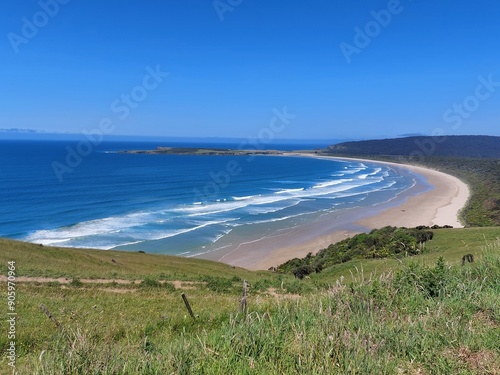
x,y
435,200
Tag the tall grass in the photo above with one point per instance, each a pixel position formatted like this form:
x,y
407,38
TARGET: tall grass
x,y
439,319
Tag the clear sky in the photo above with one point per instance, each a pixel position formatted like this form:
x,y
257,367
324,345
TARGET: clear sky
x,y
342,68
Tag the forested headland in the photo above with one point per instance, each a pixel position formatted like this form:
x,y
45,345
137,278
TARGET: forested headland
x,y
473,159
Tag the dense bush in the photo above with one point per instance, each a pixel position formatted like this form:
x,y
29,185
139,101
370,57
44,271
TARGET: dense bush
x,y
379,243
301,271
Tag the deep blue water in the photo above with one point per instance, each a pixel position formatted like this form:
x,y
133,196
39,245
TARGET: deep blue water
x,y
170,203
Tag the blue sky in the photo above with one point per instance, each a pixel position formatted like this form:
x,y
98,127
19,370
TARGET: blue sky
x,y
417,67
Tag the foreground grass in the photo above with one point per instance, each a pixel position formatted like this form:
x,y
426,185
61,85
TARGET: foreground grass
x,y
426,316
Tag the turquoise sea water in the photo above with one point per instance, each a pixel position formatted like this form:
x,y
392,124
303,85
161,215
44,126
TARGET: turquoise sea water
x,y
170,203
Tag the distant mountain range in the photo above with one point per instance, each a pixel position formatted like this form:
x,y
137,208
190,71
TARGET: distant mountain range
x,y
476,146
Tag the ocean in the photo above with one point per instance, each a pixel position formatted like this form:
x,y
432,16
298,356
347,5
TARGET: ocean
x,y
174,204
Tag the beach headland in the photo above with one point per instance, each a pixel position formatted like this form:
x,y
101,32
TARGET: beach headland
x,y
436,198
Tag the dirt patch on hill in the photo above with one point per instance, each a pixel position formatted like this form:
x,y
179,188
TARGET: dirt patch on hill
x,y
178,284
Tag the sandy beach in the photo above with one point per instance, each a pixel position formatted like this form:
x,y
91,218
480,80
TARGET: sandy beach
x,y
436,198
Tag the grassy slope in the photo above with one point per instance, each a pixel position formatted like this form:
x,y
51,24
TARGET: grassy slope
x,y
347,327
452,244
56,262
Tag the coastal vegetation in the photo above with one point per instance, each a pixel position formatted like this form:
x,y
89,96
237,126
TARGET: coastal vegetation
x,y
469,146
473,159
483,178
424,314
379,243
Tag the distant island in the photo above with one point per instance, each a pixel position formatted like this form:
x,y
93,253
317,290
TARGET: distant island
x,y
201,151
417,147
472,158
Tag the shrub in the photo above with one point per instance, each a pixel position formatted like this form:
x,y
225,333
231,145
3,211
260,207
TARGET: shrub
x,y
150,282
169,286
76,282
429,281
302,271
219,284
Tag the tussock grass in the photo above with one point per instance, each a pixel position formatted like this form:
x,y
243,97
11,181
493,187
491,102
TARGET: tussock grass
x,y
420,317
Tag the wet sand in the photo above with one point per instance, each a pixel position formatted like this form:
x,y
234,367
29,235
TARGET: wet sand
x,y
436,198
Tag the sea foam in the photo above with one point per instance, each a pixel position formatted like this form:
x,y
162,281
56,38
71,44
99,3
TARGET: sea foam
x,y
166,212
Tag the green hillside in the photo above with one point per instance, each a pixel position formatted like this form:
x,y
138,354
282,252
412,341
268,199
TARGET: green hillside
x,y
412,315
54,262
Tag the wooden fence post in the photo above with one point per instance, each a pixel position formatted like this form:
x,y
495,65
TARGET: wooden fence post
x,y
188,306
243,303
51,317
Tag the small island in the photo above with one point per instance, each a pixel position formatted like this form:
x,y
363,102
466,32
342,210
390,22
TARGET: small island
x,y
202,151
